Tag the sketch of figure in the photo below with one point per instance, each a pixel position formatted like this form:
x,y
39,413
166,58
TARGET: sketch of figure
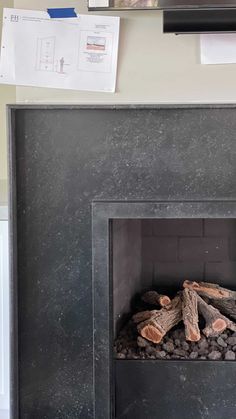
x,y
62,61
45,55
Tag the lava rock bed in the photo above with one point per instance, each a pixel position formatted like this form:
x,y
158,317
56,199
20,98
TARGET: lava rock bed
x,y
129,345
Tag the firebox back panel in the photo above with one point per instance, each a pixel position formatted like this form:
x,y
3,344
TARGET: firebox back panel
x,y
161,253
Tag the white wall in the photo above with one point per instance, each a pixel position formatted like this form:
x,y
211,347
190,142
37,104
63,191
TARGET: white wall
x,y
4,318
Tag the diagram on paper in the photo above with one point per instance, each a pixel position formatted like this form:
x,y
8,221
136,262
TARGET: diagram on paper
x,y
95,51
46,56
78,54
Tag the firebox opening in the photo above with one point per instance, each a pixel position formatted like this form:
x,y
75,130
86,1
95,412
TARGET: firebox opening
x,y
159,254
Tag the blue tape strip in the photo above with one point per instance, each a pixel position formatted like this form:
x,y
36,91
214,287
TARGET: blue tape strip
x,y
62,13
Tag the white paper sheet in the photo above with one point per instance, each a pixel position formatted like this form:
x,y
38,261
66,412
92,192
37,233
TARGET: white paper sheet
x,y
218,48
79,53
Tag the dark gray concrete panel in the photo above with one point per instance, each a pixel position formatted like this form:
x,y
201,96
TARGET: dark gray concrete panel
x,y
175,390
62,160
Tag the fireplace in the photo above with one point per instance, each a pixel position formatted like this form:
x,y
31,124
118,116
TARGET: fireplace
x,y
162,253
142,246
154,257
107,203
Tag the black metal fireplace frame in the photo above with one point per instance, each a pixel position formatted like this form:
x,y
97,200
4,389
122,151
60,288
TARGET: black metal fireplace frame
x,y
104,364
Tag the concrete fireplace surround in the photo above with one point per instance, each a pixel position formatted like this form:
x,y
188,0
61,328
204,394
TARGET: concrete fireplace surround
x,y
73,171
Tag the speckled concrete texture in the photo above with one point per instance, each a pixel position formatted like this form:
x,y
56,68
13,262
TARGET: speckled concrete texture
x,y
65,159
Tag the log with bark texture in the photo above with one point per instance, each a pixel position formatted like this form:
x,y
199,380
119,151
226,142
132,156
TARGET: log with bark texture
x,y
152,297
216,323
212,291
144,315
227,307
190,315
155,328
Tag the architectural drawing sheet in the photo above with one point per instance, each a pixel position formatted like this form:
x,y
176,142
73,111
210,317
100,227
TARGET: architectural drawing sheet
x,y
78,53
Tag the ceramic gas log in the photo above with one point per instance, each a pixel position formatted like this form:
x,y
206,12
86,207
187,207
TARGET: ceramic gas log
x,y
190,315
154,324
152,297
161,321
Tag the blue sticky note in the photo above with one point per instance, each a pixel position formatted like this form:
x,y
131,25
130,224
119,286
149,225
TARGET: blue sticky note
x,y
62,13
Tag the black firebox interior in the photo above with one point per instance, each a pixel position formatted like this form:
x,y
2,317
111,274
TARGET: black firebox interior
x,y
160,254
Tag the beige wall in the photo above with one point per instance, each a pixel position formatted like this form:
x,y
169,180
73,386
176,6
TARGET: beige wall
x,y
153,68
7,95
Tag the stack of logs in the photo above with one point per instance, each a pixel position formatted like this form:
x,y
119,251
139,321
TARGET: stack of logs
x,y
213,302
